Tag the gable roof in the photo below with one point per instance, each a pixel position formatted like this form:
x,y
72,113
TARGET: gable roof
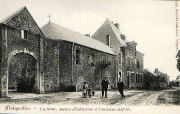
x,y
10,17
55,31
117,32
109,26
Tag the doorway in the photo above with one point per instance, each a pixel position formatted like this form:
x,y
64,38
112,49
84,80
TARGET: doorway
x,y
22,72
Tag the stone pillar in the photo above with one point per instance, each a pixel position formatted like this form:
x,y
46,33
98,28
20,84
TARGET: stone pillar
x,y
41,65
4,63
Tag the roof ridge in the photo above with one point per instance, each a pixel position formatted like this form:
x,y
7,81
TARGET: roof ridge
x,y
17,12
56,31
113,27
7,19
64,27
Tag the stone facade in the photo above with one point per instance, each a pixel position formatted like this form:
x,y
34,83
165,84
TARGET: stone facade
x,y
52,65
133,66
13,43
93,67
129,61
56,65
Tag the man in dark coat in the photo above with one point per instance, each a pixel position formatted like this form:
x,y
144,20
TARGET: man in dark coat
x,y
121,87
104,85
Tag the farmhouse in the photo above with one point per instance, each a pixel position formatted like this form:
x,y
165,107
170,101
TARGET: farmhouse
x,y
54,58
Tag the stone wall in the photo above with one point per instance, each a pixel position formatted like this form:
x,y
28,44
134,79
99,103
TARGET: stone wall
x,y
51,65
65,65
93,74
12,43
73,75
133,64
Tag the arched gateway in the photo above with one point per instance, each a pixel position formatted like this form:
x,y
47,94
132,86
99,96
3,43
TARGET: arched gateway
x,y
23,72
21,54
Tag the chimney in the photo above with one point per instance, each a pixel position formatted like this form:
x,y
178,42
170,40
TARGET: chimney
x,y
88,35
123,37
117,25
156,71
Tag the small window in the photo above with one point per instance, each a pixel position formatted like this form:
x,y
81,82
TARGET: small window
x,y
141,64
91,60
78,56
108,40
137,78
119,75
132,77
119,58
141,78
5,33
129,62
138,64
24,34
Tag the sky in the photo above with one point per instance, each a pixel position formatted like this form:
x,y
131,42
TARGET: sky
x,y
152,24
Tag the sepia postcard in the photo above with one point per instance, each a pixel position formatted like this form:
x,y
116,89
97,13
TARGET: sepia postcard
x,y
89,56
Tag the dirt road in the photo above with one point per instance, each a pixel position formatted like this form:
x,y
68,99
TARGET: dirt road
x,y
133,97
145,98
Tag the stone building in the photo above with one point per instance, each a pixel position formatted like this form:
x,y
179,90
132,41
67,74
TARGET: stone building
x,y
54,58
129,65
50,59
163,78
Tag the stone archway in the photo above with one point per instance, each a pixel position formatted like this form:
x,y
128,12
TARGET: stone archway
x,y
23,82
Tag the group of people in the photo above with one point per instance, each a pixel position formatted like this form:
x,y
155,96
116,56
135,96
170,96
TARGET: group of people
x,y
87,90
105,82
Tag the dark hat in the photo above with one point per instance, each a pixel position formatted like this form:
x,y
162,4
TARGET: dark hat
x,y
85,81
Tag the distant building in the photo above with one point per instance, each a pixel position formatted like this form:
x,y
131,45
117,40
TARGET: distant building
x,y
164,78
155,80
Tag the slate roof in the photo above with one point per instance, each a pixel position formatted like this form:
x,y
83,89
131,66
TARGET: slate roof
x,y
55,31
109,26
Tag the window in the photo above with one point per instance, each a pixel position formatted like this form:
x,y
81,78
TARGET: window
x,y
5,33
108,40
132,77
141,78
24,34
129,63
128,73
78,56
91,60
119,58
138,64
119,75
137,77
141,64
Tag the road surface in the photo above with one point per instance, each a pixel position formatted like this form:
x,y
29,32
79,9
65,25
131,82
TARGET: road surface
x,y
133,97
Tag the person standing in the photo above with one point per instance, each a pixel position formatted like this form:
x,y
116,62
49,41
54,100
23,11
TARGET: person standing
x,y
104,85
121,87
85,87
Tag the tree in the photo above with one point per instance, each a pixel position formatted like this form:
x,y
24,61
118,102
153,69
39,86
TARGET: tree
x,y
178,60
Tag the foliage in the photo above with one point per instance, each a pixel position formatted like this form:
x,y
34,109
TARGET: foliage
x,y
178,60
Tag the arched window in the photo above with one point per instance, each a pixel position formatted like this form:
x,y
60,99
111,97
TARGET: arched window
x,y
78,56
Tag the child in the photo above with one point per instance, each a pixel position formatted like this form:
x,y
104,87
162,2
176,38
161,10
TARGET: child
x,y
93,92
85,87
89,91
